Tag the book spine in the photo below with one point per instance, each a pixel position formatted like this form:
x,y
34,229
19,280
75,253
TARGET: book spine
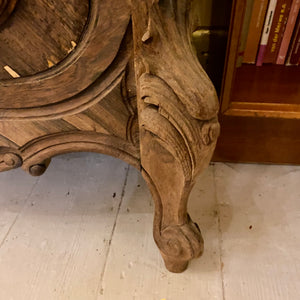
x,y
288,32
266,32
244,32
255,28
294,56
277,29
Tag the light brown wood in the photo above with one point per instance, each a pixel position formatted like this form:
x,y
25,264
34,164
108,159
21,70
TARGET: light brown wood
x,y
177,108
131,87
29,49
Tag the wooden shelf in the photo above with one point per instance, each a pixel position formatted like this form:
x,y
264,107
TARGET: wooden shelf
x,y
267,84
260,107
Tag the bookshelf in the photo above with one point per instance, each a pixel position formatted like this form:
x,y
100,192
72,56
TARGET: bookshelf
x,y
260,107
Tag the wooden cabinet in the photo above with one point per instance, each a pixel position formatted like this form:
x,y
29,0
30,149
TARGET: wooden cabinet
x,y
116,77
260,107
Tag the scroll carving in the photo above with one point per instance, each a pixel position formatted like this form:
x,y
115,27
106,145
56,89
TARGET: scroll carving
x,y
9,159
177,108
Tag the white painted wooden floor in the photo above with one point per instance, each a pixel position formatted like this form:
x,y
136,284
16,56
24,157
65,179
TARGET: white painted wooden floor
x,y
84,231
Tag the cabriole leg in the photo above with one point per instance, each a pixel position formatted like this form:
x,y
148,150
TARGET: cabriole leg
x,y
177,109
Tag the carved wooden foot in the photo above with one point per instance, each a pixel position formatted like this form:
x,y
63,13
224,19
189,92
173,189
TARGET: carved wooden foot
x,y
178,238
177,108
179,244
39,169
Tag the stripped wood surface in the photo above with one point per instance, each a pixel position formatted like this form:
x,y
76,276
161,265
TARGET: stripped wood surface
x,y
39,34
130,72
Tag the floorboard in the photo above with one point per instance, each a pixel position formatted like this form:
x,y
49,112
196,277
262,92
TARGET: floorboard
x,y
83,230
135,269
259,221
57,247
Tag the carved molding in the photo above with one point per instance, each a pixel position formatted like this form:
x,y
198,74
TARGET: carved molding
x,y
34,157
94,93
105,123
66,86
39,150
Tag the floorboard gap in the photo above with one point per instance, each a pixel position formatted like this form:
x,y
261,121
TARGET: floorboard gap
x,y
219,233
19,213
100,289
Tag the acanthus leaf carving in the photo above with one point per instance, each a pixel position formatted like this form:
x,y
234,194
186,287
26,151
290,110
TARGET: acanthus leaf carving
x,y
177,108
168,54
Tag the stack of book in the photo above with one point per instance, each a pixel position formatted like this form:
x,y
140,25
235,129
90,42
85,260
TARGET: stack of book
x,y
270,33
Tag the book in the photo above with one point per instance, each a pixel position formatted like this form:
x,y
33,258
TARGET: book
x,y
281,14
244,32
255,28
266,32
288,32
294,51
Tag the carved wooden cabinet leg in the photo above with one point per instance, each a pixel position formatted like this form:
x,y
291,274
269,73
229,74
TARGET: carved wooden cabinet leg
x,y
177,109
177,237
86,102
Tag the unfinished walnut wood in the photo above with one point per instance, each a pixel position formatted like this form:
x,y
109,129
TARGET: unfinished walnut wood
x,y
133,90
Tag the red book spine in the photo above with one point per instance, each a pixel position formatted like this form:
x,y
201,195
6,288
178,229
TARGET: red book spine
x,y
277,29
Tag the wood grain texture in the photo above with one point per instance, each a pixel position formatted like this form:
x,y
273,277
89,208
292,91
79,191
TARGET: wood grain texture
x,y
109,126
177,108
103,35
280,84
40,34
127,91
265,140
